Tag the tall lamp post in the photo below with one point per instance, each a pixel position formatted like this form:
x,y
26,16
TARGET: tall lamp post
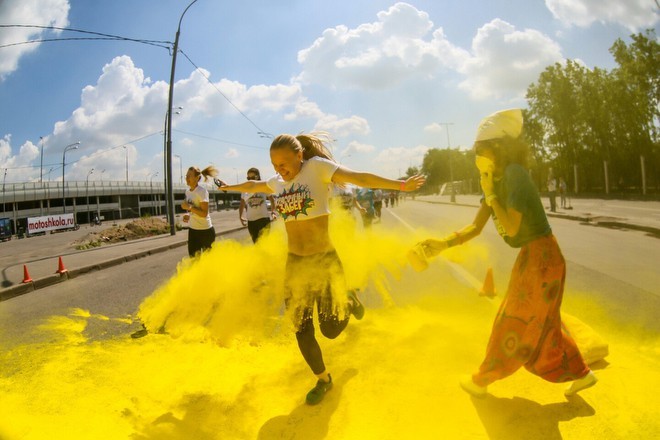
x,y
41,168
151,186
180,168
168,153
126,149
73,146
87,192
451,168
3,190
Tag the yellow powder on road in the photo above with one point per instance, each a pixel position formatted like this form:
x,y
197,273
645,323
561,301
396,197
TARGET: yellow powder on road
x,y
230,367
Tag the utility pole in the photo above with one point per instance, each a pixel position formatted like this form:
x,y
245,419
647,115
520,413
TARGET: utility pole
x,y
451,168
168,153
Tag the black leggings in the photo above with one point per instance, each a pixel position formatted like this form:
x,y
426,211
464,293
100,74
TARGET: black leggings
x,y
255,227
314,274
200,240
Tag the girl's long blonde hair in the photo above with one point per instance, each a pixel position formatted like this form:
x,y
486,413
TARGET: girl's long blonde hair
x,y
209,171
311,145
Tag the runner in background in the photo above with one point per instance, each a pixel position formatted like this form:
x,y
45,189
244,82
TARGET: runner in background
x,y
257,213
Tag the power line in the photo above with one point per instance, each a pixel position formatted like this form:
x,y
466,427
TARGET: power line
x,y
259,130
101,36
219,140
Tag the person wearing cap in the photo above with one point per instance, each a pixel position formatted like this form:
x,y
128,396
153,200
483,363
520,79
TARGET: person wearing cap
x,y
257,213
527,330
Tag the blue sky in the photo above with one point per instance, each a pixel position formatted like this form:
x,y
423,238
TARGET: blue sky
x,y
380,76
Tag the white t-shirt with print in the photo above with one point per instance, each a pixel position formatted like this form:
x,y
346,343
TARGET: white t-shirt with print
x,y
195,198
256,207
306,196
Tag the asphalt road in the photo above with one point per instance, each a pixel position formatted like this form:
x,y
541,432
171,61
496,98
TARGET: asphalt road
x,y
612,284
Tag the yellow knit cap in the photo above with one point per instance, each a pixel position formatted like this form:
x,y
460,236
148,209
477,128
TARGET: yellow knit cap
x,y
500,124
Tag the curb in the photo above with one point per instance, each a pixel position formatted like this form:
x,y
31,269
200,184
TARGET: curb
x,y
23,288
590,220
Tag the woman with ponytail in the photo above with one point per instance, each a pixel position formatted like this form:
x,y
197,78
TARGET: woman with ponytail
x,y
201,233
314,275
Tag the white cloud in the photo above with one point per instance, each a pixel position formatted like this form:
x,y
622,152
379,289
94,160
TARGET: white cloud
x,y
396,160
632,14
305,109
381,54
232,152
358,147
30,12
434,128
17,166
505,61
123,105
198,94
343,126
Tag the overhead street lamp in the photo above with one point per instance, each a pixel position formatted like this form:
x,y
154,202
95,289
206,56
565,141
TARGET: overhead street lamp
x,y
73,146
168,146
451,168
87,192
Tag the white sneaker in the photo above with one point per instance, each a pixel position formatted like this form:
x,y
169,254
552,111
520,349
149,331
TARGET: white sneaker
x,y
583,383
472,388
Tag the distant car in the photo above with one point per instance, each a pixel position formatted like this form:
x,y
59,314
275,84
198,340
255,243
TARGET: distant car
x,y
5,229
234,204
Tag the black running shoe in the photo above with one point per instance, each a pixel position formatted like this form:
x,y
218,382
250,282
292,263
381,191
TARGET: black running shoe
x,y
358,309
317,393
140,333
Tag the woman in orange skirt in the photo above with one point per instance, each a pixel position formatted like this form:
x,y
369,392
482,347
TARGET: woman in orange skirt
x,y
527,330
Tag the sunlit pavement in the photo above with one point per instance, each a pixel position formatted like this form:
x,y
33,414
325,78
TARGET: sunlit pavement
x,y
396,377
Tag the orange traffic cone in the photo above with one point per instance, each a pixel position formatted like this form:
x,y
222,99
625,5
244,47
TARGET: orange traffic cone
x,y
60,267
26,275
488,289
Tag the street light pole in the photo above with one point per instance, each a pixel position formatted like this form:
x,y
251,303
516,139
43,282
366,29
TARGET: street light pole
x,y
3,190
151,186
87,192
180,169
126,149
41,168
168,154
73,146
451,168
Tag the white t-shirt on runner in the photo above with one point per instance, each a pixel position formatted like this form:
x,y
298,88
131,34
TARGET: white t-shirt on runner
x,y
256,207
305,196
195,198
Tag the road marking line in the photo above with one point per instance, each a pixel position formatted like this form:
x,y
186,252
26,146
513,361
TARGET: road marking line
x,y
459,271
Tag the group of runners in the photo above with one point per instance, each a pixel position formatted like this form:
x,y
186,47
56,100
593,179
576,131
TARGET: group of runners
x,y
527,330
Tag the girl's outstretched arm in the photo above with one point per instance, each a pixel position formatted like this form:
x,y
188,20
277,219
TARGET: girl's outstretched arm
x,y
368,180
251,186
433,246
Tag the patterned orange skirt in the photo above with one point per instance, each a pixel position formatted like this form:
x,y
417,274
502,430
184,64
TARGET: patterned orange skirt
x,y
527,329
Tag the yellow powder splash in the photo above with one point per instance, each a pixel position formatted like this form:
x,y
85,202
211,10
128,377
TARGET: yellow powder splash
x,y
246,379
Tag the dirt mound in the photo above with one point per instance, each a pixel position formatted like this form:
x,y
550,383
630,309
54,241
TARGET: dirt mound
x,y
139,228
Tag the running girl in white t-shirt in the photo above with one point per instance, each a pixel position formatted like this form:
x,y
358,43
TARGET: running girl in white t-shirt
x,y
201,233
314,274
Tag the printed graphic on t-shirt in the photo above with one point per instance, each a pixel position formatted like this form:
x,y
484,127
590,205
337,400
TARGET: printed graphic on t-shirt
x,y
255,201
294,201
